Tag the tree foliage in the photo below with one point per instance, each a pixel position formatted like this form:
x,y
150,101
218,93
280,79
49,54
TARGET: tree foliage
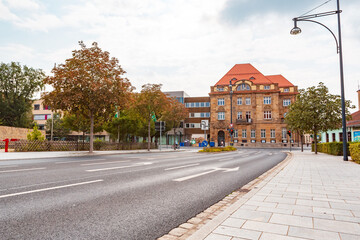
x,y
17,87
57,124
35,135
125,125
90,84
316,110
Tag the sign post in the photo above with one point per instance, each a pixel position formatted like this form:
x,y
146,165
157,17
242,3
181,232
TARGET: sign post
x,y
204,126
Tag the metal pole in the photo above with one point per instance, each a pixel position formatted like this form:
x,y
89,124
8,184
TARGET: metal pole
x,y
231,92
52,126
160,135
345,156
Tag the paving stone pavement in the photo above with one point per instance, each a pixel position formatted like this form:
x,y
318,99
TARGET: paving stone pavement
x,y
311,197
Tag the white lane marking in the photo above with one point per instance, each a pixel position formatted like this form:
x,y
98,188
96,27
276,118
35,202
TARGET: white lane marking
x,y
51,188
190,165
194,176
90,164
80,161
113,168
22,170
204,173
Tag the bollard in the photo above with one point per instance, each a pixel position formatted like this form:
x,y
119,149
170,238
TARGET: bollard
x,y
6,144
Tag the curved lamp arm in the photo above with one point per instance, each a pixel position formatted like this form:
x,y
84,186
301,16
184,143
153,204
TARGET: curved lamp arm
x,y
306,20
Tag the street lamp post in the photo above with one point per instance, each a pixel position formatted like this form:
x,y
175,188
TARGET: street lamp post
x,y
231,118
296,30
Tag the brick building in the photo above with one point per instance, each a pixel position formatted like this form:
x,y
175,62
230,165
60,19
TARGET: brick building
x,y
259,105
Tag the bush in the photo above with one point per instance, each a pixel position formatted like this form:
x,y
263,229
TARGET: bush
x,y
219,149
355,152
333,148
98,143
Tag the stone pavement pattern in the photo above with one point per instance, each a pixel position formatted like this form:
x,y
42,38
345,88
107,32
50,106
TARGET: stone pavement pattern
x,y
313,197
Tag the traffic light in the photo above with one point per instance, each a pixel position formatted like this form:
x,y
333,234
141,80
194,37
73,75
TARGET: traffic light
x,y
289,133
231,131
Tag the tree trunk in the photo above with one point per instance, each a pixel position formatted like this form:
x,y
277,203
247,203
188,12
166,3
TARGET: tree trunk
x,y
91,133
149,135
315,142
302,142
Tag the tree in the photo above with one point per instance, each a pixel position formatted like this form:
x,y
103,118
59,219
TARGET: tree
x,y
151,101
123,125
90,84
316,110
35,135
57,126
17,87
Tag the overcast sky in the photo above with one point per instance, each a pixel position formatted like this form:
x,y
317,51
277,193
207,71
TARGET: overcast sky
x,y
187,44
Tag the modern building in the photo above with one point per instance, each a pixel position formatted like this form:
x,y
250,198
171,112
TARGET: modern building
x,y
254,106
41,113
353,129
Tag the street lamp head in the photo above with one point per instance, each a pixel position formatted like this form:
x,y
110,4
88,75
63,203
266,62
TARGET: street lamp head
x,y
295,31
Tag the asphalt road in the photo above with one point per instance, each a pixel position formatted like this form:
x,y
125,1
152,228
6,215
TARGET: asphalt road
x,y
125,196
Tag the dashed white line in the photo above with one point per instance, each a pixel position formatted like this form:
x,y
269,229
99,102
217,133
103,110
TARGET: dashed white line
x,y
190,165
22,170
90,164
47,189
113,168
93,160
194,176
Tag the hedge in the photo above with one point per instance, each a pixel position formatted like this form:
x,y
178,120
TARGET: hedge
x,y
333,148
355,152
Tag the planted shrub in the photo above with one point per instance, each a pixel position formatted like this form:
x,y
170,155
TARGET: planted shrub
x,y
355,152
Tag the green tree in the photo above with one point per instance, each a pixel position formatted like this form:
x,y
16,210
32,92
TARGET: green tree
x,y
125,124
150,101
17,87
35,134
90,84
57,124
316,110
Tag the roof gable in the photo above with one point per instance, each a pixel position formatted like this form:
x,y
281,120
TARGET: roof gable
x,y
280,80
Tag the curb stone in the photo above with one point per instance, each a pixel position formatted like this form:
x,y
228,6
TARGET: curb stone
x,y
202,224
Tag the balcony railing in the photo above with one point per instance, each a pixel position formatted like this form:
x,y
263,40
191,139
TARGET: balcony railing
x,y
243,121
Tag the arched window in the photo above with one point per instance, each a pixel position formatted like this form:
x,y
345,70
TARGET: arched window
x,y
243,87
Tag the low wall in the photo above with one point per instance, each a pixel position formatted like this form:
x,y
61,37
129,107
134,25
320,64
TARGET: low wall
x,y
14,132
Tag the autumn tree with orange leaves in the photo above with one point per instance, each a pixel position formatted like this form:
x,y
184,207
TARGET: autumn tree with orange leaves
x,y
90,84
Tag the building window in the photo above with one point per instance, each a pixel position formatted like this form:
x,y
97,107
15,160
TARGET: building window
x,y
187,125
45,107
207,104
236,133
243,134
263,133
247,101
221,115
285,114
286,102
272,133
39,117
221,102
267,100
267,114
253,133
283,133
243,87
220,89
266,87
239,101
36,106
286,90
327,137
333,137
239,115
248,116
41,127
340,137
197,104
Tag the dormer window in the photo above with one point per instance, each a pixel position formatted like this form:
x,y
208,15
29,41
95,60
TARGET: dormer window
x,y
220,89
252,78
243,87
266,87
286,90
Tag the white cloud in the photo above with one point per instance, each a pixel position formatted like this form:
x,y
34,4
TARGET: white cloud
x,y
23,4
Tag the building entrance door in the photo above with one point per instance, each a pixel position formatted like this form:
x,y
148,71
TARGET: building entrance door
x,y
221,138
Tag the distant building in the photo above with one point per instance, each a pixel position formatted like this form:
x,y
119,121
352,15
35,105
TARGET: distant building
x,y
259,106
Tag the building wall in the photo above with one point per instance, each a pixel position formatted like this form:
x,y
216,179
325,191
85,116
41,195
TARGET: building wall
x,y
256,108
41,113
192,133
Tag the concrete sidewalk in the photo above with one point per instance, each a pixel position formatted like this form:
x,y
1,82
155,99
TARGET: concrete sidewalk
x,y
309,197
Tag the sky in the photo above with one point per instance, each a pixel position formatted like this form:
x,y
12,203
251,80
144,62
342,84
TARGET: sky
x,y
188,45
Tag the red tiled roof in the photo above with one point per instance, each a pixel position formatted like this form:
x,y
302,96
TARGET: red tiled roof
x,y
249,72
355,119
279,79
241,72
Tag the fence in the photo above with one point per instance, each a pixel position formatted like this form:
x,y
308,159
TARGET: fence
x,y
31,146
